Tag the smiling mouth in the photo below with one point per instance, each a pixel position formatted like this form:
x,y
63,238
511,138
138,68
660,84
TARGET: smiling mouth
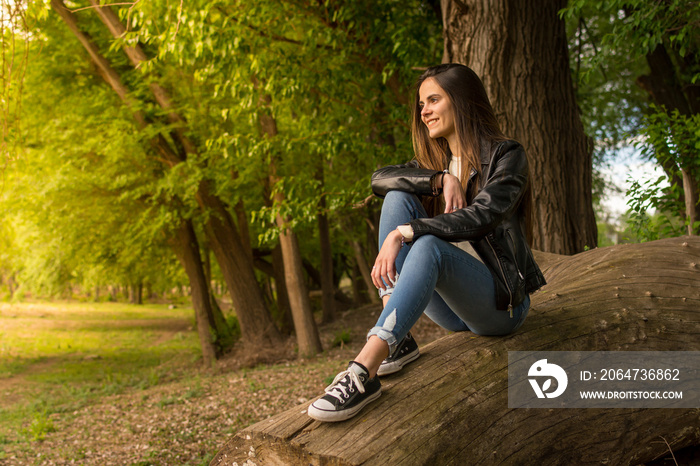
x,y
432,122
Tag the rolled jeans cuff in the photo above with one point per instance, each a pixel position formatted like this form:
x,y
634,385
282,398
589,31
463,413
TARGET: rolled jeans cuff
x,y
389,287
384,335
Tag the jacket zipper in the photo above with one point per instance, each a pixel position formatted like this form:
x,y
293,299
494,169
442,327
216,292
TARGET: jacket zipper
x,y
515,258
505,280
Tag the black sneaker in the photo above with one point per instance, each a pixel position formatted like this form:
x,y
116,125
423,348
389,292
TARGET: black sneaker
x,y
350,391
405,352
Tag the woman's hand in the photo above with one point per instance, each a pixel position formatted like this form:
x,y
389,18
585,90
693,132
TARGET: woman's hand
x,y
384,270
453,193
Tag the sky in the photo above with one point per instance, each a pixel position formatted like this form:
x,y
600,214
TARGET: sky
x,y
625,168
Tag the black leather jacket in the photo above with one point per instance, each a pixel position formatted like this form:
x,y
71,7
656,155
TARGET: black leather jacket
x,y
493,220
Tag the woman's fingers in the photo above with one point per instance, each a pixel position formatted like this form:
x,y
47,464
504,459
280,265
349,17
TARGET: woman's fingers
x,y
384,270
383,275
453,194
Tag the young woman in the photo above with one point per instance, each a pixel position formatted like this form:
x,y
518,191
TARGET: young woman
x,y
452,231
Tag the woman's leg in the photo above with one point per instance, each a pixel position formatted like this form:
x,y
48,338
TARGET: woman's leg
x,y
398,208
357,386
452,287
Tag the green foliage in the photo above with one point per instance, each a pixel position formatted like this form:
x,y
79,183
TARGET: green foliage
x,y
99,202
673,140
610,41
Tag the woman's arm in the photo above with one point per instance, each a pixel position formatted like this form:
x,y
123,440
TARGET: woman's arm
x,y
407,177
498,199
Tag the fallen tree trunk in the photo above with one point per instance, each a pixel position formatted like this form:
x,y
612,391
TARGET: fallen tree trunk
x,y
451,406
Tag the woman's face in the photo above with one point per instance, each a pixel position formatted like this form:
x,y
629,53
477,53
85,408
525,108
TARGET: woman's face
x,y
436,111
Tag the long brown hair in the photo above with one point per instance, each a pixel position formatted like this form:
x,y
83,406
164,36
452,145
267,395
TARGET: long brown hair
x,y
475,125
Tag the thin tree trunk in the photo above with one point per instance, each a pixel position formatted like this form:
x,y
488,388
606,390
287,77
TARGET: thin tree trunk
x,y
187,250
136,293
520,51
283,307
304,323
223,332
690,186
327,289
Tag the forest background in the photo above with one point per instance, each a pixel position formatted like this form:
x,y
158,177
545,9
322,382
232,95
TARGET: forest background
x,y
218,153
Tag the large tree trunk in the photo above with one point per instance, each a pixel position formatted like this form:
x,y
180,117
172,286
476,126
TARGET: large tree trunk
x,y
519,49
451,406
257,327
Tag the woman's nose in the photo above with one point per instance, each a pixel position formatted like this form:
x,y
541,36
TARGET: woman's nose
x,y
424,111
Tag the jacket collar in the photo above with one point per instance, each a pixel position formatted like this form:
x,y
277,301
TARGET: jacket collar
x,y
484,157
486,152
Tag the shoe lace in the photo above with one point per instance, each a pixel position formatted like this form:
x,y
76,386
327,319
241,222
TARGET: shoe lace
x,y
340,388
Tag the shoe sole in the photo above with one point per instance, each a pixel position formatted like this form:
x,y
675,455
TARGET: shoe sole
x,y
336,416
393,367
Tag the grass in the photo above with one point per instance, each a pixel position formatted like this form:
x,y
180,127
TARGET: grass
x,y
59,357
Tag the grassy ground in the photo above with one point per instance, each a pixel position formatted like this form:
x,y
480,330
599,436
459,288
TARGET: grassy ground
x,y
100,384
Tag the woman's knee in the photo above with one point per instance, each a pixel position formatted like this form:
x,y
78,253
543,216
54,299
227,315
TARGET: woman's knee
x,y
427,244
398,199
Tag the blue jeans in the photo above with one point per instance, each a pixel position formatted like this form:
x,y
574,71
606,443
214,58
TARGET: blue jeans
x,y
454,289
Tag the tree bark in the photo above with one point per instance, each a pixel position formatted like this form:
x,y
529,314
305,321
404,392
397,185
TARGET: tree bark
x,y
242,221
283,307
257,327
641,297
690,188
186,247
520,51
304,324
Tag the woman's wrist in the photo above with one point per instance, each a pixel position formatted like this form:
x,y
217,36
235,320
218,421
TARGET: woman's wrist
x,y
406,232
441,184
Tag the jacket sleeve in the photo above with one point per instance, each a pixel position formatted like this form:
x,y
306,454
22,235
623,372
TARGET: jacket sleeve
x,y
406,177
497,201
